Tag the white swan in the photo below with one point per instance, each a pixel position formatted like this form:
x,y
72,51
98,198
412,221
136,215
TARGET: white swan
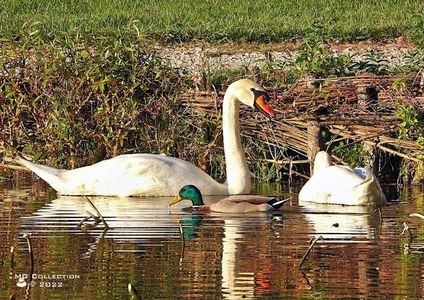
x,y
332,184
158,175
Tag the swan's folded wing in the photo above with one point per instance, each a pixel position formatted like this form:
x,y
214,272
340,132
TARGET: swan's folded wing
x,y
343,185
140,175
323,185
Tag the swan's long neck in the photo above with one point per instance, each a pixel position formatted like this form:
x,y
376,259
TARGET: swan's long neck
x,y
322,161
238,174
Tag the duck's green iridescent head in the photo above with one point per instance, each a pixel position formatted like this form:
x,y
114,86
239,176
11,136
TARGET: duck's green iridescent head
x,y
189,192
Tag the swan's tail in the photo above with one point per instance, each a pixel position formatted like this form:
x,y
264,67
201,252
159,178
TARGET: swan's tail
x,y
48,174
371,187
276,203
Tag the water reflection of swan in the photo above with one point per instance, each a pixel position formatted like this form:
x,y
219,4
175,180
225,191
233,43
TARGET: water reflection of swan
x,y
129,219
235,284
340,223
241,273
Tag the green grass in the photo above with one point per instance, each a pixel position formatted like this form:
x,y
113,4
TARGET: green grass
x,y
240,21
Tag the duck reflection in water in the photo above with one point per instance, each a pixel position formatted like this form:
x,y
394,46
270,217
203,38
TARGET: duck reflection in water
x,y
189,225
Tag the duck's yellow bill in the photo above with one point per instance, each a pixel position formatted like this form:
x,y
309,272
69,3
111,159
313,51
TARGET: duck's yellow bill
x,y
175,200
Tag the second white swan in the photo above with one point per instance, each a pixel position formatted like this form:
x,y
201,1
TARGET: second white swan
x,y
336,184
158,175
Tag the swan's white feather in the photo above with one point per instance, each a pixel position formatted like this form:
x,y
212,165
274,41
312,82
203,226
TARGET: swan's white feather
x,y
128,175
335,184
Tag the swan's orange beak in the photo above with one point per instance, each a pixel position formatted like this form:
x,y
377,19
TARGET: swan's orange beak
x,y
263,106
175,200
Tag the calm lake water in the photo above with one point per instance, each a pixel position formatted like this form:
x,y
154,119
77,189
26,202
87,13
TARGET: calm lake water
x,y
217,256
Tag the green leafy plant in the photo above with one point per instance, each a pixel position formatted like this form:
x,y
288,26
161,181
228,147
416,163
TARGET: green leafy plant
x,y
354,154
417,28
412,122
79,94
373,62
420,142
414,62
315,57
399,84
265,160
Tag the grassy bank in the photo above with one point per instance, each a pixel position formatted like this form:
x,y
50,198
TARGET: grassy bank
x,y
76,99
241,20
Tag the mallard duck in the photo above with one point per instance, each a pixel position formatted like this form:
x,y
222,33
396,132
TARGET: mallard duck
x,y
159,175
336,184
232,204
